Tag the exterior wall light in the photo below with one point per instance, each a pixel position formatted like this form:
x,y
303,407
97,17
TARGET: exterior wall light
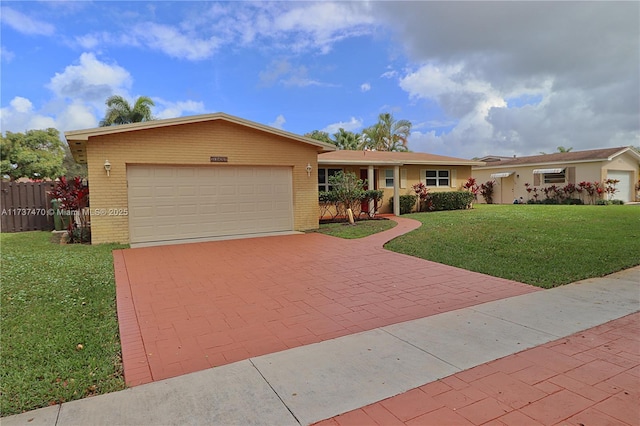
x,y
107,166
309,168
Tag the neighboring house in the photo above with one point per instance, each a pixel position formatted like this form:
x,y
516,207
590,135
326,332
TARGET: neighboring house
x,y
396,172
197,178
560,169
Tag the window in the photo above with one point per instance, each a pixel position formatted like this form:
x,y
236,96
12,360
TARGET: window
x,y
323,178
388,178
437,178
555,177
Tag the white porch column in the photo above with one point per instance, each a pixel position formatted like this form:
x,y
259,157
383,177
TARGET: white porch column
x,y
396,190
371,185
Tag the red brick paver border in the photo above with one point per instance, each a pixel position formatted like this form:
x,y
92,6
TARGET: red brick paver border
x,y
185,308
590,378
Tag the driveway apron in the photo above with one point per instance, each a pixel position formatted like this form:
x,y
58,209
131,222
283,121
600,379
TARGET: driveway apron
x,y
189,307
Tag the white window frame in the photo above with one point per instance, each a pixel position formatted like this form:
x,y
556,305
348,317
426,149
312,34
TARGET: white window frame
x,y
555,177
438,178
388,177
324,186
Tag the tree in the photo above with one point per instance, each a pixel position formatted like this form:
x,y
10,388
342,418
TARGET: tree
x,y
345,139
560,149
119,111
35,154
71,168
388,134
319,135
342,139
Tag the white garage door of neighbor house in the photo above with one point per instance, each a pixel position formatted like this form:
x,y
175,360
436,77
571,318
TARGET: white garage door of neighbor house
x,y
623,187
171,203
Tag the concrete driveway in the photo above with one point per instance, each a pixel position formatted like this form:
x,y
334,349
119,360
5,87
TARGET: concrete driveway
x,y
189,307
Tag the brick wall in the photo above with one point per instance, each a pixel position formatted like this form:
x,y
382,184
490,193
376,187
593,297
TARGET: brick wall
x,y
193,144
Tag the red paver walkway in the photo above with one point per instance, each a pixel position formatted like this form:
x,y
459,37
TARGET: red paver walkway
x,y
185,308
590,378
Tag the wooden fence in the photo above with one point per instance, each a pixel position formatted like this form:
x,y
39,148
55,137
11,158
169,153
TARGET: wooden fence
x,y
25,206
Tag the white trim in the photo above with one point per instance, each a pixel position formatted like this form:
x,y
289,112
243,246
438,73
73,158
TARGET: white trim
x,y
546,171
501,175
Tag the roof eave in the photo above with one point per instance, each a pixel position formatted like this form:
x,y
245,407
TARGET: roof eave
x,y
622,151
84,135
545,163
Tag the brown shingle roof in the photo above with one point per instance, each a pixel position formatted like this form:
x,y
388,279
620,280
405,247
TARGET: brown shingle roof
x,y
561,157
390,158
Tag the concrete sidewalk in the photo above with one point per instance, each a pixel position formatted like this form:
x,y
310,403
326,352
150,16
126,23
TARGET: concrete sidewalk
x,y
319,381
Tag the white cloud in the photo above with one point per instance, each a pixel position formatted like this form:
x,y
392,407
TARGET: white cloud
x,y
283,73
279,122
389,74
6,55
25,24
91,80
168,109
79,93
320,25
21,105
352,125
78,115
19,117
175,43
570,70
365,87
278,26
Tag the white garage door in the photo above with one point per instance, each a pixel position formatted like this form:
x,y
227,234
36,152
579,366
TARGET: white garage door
x,y
624,186
169,203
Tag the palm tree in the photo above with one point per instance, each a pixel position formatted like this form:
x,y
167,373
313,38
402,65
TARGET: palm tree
x,y
563,149
319,135
119,111
345,139
387,134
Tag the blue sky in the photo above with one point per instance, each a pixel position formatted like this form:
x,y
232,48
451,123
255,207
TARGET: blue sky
x,y
474,78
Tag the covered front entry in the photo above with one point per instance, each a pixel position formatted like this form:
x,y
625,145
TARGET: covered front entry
x,y
364,176
181,203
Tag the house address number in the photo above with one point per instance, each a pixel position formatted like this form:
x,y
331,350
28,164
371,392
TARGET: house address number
x,y
219,159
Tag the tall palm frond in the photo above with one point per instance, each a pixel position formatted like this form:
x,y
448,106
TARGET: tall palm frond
x,y
119,111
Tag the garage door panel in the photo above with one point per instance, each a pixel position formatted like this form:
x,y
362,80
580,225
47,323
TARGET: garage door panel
x,y
624,186
187,190
182,172
170,202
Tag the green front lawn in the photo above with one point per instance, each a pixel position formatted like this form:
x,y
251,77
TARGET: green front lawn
x,y
55,298
542,245
360,229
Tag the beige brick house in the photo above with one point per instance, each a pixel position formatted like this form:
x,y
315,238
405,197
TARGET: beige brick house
x,y
196,178
561,168
396,172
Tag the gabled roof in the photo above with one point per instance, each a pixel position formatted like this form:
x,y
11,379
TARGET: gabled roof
x,y
604,154
387,158
77,139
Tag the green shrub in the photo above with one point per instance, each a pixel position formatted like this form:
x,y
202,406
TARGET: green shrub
x,y
618,202
454,200
374,194
572,201
406,203
550,201
602,202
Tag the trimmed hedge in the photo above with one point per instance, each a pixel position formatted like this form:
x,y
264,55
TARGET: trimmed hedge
x,y
407,203
455,200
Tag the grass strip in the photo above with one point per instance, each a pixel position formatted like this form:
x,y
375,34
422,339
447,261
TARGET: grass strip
x,y
360,229
55,298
